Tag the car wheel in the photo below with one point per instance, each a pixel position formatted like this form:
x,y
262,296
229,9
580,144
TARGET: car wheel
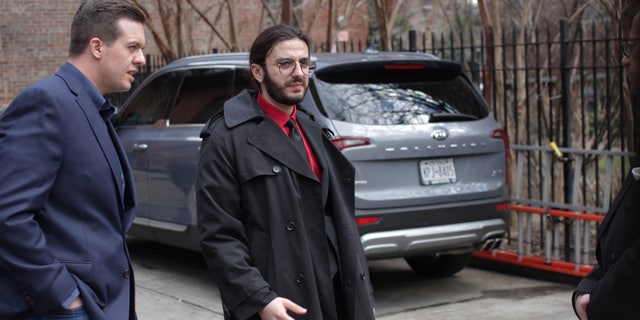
x,y
439,265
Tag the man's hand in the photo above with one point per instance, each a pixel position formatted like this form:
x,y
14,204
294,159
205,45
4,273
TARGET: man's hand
x,y
277,310
75,304
582,300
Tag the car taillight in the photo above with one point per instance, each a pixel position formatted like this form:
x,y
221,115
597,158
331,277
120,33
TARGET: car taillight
x,y
502,135
343,142
404,66
366,220
503,206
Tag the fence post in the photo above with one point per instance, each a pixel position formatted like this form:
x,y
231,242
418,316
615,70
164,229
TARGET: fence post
x,y
566,103
413,38
567,120
147,68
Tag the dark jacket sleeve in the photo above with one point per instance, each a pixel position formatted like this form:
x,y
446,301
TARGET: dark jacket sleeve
x,y
586,285
28,175
590,280
613,294
220,220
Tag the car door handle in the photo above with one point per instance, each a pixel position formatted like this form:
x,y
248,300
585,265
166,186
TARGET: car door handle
x,y
140,146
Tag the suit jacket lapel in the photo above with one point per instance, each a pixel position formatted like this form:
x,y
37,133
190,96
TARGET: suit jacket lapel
x,y
129,194
100,130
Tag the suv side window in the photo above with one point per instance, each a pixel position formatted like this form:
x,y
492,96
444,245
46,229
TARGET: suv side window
x,y
202,94
153,101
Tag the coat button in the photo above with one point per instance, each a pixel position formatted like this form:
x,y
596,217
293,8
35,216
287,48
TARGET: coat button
x,y
363,276
126,274
276,169
291,226
299,278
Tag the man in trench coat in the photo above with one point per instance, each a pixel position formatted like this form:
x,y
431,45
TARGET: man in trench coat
x,y
277,225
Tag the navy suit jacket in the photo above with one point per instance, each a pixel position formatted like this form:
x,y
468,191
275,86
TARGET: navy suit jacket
x,y
66,202
614,280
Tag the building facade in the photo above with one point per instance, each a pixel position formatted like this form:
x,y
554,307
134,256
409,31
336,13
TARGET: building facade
x,y
34,34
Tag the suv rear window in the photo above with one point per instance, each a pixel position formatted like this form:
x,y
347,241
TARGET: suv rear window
x,y
394,96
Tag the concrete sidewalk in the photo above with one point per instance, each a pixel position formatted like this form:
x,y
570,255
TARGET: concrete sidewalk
x,y
174,284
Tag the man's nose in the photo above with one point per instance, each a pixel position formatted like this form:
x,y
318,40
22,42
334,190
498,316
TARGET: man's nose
x,y
297,69
139,59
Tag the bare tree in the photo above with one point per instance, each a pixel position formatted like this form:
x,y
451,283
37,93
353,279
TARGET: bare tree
x,y
287,12
339,15
491,33
330,23
164,34
230,45
630,115
386,14
183,27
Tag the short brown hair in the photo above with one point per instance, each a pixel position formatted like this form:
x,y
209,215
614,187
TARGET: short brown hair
x,y
97,19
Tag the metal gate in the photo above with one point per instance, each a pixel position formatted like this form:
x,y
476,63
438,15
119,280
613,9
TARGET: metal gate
x,y
553,236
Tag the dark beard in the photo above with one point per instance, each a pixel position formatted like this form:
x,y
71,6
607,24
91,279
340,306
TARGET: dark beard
x,y
277,93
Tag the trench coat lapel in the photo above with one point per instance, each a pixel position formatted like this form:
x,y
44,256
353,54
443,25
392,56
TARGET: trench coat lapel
x,y
270,139
315,140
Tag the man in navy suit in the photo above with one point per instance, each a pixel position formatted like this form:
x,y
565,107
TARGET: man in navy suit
x,y
609,291
66,189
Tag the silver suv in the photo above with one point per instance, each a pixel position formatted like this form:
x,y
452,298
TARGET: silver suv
x,y
431,166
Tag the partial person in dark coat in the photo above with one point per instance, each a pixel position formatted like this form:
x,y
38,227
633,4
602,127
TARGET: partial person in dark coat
x,y
277,225
609,291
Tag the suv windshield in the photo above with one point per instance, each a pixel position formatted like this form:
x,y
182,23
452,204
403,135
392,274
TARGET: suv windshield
x,y
399,103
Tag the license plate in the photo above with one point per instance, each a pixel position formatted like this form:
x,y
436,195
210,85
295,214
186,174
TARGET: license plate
x,y
437,171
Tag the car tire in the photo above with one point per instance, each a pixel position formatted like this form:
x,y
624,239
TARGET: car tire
x,y
439,265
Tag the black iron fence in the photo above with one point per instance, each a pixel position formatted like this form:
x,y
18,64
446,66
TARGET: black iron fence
x,y
562,99
557,91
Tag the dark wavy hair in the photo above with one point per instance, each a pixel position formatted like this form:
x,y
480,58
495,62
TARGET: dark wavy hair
x,y
98,19
268,38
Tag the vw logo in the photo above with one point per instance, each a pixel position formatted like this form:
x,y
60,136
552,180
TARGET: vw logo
x,y
439,134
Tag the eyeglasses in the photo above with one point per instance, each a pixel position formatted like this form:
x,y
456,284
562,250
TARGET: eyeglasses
x,y
627,47
287,66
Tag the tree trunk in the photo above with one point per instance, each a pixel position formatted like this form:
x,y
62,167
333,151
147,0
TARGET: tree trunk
x,y
488,80
330,27
286,15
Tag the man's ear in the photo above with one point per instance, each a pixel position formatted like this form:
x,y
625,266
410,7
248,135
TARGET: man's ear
x,y
257,72
96,47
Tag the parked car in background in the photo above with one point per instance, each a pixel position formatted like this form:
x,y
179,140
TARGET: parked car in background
x,y
431,167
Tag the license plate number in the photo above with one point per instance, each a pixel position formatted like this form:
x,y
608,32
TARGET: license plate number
x,y
437,171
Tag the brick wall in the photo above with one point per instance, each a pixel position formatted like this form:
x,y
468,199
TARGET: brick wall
x,y
34,35
33,41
